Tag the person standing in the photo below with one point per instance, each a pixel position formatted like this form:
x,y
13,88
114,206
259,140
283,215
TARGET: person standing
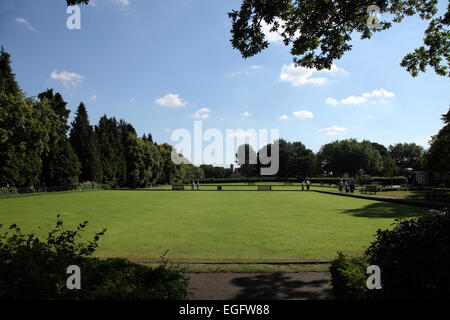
x,y
346,186
308,184
303,185
352,186
193,185
198,184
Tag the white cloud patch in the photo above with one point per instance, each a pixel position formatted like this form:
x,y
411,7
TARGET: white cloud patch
x,y
372,97
333,130
298,76
202,114
123,3
246,114
26,24
93,97
283,117
303,114
271,36
67,78
167,130
171,100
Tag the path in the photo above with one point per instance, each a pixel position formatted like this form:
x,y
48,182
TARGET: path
x,y
260,286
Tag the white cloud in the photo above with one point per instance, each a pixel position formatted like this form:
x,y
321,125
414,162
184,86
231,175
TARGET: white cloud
x,y
369,97
202,114
123,3
369,116
26,23
283,117
303,114
239,73
246,114
272,37
171,100
333,130
331,101
255,67
131,100
167,130
93,97
299,76
67,78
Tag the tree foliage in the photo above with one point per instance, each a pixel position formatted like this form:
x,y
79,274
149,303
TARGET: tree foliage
x,y
320,32
438,157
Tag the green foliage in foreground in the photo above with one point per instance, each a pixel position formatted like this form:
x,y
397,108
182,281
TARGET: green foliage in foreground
x,y
34,269
414,259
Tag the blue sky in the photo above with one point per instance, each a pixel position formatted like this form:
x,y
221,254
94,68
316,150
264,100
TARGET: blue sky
x,y
161,64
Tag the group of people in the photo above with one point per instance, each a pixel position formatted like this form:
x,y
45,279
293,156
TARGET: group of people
x,y
198,185
349,185
307,183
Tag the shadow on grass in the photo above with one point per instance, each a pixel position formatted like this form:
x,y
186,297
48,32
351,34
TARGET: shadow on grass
x,y
276,286
386,210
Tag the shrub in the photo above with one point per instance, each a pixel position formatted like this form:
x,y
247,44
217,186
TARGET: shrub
x,y
89,185
4,191
35,269
414,258
348,277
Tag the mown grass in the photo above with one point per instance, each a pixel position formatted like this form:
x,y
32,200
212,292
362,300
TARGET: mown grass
x,y
212,226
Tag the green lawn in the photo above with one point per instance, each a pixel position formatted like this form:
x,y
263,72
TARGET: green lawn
x,y
212,226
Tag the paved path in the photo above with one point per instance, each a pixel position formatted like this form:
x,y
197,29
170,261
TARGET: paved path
x,y
260,286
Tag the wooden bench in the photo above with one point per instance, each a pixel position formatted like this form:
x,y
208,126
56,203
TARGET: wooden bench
x,y
264,188
177,188
369,189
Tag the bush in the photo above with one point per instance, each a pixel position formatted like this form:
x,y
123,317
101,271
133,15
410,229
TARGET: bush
x,y
348,277
89,185
4,191
414,258
35,269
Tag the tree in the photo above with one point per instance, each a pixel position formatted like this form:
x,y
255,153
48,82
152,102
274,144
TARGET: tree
x,y
320,31
84,143
438,157
60,165
407,155
8,83
111,151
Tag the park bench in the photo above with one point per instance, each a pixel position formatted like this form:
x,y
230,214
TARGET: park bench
x,y
437,194
369,189
219,188
178,187
264,188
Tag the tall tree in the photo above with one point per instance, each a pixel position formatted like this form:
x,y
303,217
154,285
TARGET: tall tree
x,y
60,165
84,143
407,155
438,157
320,32
8,83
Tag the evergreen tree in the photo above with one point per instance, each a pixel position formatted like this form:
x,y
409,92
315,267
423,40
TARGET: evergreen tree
x,y
60,164
84,143
8,83
111,152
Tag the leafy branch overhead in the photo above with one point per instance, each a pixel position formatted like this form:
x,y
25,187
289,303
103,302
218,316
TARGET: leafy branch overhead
x,y
321,31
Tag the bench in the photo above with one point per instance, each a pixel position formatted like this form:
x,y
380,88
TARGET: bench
x,y
369,189
219,188
437,194
178,187
264,188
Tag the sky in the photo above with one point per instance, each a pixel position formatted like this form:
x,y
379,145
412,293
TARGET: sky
x,y
163,64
